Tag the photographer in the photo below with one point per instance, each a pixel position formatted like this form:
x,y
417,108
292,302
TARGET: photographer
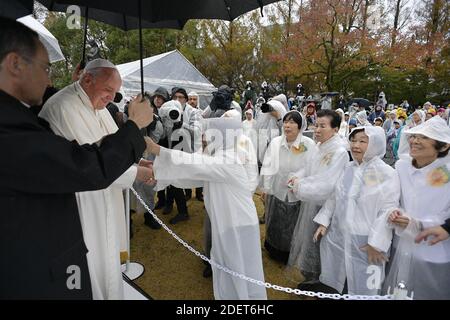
x,y
265,90
249,94
186,126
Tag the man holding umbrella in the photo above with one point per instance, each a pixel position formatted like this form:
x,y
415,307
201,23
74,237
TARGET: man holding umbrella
x,y
41,239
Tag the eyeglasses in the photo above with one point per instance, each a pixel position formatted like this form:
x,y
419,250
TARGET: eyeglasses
x,y
47,67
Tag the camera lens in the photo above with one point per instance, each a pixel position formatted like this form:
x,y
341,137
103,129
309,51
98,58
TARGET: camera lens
x,y
174,114
265,108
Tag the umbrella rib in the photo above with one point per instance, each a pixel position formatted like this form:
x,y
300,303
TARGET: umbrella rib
x,y
261,6
228,10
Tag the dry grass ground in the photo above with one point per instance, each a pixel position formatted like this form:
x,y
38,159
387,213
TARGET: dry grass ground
x,y
174,273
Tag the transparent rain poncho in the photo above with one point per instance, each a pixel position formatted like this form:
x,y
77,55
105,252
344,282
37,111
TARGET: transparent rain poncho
x,y
355,217
424,269
229,175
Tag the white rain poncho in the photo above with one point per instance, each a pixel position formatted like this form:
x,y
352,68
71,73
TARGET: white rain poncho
x,y
403,146
313,190
355,216
282,98
361,118
249,128
267,127
425,200
229,176
343,128
281,162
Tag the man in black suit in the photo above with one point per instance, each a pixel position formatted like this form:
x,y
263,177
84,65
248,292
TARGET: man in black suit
x,y
42,251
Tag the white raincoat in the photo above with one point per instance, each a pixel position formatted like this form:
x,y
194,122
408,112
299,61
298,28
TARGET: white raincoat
x,y
249,129
281,162
425,200
229,178
267,127
343,128
355,216
403,146
314,189
102,212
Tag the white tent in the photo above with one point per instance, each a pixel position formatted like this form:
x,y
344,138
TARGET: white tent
x,y
168,70
47,39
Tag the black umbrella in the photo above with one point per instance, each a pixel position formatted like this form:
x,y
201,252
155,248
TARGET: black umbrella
x,y
117,19
155,11
15,9
361,102
163,10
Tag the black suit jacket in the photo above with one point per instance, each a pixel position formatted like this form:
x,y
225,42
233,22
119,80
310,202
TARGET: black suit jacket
x,y
42,252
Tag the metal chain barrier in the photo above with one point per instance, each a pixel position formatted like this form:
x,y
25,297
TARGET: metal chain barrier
x,y
268,285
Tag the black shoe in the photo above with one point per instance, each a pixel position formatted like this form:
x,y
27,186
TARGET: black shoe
x,y
311,285
178,218
168,209
151,222
207,273
159,205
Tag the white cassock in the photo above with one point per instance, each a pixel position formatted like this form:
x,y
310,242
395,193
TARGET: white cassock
x,y
102,212
228,187
355,217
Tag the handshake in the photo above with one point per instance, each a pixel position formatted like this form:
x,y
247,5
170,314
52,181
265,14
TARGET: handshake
x,y
145,172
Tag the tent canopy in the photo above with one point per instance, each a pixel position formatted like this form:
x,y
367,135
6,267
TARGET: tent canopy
x,y
168,70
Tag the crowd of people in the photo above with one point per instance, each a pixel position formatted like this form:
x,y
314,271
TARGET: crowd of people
x,y
350,195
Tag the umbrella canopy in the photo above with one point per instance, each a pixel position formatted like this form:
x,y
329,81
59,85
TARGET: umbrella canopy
x,y
15,9
163,10
361,101
47,39
117,19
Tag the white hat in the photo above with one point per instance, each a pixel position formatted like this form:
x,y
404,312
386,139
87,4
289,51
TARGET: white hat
x,y
99,63
193,94
436,128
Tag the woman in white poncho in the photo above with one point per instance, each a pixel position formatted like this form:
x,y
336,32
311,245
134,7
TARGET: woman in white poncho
x,y
286,155
343,128
425,188
356,239
229,175
268,126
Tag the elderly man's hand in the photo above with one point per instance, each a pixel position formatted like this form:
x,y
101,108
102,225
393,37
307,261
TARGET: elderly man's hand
x,y
140,112
145,175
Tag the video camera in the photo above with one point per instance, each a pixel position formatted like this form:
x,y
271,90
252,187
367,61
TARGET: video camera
x,y
221,100
170,113
266,108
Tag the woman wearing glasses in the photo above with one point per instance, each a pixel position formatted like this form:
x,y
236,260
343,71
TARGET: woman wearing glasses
x,y
425,202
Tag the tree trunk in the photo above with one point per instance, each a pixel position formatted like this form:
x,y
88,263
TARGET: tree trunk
x,y
396,22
